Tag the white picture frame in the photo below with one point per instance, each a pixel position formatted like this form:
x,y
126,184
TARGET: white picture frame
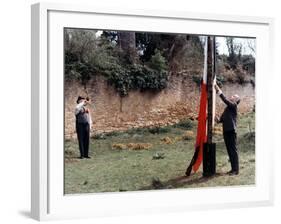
x,y
48,201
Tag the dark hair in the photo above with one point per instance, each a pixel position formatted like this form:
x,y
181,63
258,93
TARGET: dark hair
x,y
80,98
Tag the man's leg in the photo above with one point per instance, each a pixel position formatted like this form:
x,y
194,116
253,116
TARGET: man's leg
x,y
234,151
80,136
227,145
86,140
230,143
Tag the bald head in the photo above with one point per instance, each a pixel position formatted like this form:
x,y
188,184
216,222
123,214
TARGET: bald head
x,y
235,99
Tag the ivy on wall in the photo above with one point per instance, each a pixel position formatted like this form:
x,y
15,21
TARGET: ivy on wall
x,y
85,58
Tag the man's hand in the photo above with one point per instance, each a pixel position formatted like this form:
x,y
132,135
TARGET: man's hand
x,y
217,119
218,90
87,100
216,87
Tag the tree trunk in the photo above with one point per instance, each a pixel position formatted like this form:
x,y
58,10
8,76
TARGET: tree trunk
x,y
127,43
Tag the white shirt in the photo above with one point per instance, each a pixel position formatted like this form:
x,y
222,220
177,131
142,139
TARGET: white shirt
x,y
79,107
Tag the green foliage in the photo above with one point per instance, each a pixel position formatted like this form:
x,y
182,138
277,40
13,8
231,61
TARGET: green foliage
x,y
79,70
248,63
86,56
135,77
148,43
158,130
99,136
79,46
144,65
185,124
134,131
137,131
113,133
158,62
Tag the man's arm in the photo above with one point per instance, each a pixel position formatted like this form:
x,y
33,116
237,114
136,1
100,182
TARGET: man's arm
x,y
79,108
89,116
224,99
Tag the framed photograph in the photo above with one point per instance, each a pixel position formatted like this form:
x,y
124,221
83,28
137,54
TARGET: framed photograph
x,y
137,112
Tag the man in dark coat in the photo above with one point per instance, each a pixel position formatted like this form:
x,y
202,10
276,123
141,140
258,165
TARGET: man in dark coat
x,y
229,123
83,125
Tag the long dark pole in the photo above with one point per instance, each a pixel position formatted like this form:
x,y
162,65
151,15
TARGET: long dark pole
x,y
210,80
209,151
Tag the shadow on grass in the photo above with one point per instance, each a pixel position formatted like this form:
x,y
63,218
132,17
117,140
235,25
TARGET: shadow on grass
x,y
180,181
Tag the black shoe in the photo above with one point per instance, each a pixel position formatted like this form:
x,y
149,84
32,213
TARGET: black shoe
x,y
233,172
87,157
81,157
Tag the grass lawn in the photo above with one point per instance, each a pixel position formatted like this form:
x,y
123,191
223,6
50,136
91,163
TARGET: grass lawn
x,y
161,166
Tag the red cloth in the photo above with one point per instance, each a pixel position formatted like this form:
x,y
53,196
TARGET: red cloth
x,y
202,127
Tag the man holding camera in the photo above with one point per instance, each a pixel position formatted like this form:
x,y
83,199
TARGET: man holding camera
x,y
83,126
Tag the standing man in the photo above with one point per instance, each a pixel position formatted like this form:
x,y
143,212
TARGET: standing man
x,y
83,125
229,123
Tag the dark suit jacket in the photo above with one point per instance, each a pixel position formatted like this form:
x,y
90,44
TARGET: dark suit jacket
x,y
229,116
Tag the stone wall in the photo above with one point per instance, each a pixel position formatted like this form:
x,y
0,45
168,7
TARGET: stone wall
x,y
110,112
